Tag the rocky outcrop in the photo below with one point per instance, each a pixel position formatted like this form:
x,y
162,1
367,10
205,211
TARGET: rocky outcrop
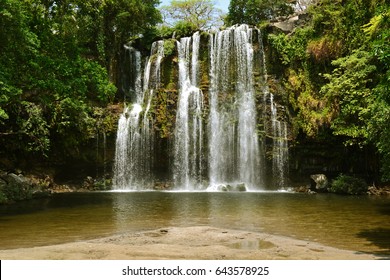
x,y
319,183
288,25
239,187
14,187
18,187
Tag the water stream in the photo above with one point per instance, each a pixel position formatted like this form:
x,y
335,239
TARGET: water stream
x,y
135,136
188,150
234,156
216,144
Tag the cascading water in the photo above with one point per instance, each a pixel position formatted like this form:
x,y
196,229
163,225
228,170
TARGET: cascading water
x,y
278,131
279,147
234,155
134,142
188,152
215,139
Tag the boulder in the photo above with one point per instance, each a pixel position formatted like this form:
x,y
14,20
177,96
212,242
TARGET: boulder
x,y
239,187
287,26
15,187
3,185
320,183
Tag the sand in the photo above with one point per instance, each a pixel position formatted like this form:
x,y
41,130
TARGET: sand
x,y
198,243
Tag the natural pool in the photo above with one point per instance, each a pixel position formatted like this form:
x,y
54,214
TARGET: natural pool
x,y
359,223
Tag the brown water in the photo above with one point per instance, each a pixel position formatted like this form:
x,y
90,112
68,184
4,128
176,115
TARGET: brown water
x,y
359,223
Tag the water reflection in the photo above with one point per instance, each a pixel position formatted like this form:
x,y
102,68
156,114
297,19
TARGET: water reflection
x,y
356,223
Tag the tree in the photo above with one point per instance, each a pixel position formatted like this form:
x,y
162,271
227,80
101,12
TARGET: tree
x,y
255,11
378,36
122,21
55,60
349,96
193,14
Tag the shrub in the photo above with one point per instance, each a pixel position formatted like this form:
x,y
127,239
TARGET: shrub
x,y
344,184
3,198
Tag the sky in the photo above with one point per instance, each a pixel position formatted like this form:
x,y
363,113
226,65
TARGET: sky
x,y
221,4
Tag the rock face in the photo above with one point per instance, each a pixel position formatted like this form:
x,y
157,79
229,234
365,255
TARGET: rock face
x,y
320,183
289,25
14,187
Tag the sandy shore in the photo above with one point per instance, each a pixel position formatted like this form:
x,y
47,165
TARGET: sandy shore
x,y
187,243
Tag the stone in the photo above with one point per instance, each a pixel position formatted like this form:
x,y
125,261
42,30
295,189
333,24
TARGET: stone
x,y
287,25
15,187
240,187
17,180
3,185
320,182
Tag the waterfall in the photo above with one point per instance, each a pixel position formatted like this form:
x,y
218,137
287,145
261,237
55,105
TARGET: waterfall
x,y
214,139
188,137
135,138
234,154
279,147
278,130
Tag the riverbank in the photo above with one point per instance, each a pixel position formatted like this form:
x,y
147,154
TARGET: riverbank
x,y
205,243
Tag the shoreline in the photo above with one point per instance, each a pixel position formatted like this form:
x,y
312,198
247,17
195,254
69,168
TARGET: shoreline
x,y
186,243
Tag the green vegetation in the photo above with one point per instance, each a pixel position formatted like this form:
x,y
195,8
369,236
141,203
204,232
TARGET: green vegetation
x,y
344,184
256,11
335,68
58,67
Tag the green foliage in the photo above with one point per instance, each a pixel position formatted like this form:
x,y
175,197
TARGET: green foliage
x,y
305,100
292,49
7,93
169,47
96,79
184,28
324,49
56,62
344,184
3,198
336,73
349,97
378,33
165,112
33,126
165,31
256,11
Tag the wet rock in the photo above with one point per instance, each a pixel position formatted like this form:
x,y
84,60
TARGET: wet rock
x,y
161,186
89,183
240,187
320,183
303,189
